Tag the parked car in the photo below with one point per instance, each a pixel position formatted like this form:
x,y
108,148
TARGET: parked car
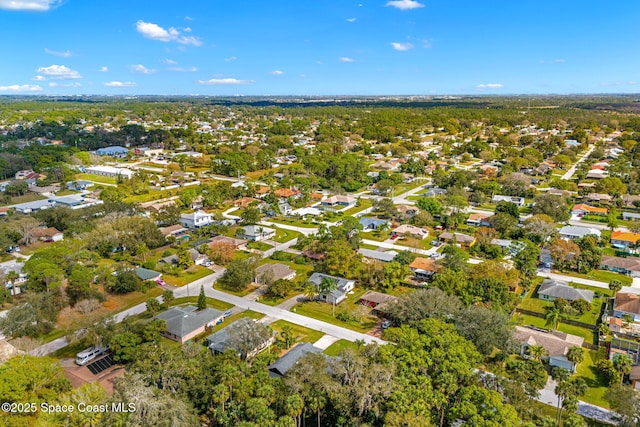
x,y
386,324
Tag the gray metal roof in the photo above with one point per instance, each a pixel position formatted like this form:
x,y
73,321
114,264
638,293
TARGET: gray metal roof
x,y
182,321
281,366
379,255
559,289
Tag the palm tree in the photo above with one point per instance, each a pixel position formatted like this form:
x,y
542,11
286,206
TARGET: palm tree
x,y
623,364
310,291
537,351
604,329
326,288
553,317
575,355
615,286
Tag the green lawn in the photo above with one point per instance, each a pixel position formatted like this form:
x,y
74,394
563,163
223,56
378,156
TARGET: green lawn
x,y
300,333
261,246
283,235
29,197
151,196
294,222
532,303
361,205
539,322
588,371
187,276
365,246
231,319
378,236
601,276
323,311
336,348
95,178
211,303
241,293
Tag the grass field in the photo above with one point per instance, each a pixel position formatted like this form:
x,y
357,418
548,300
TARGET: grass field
x,y
336,348
362,205
294,222
300,333
211,303
261,246
29,197
283,235
588,371
601,276
198,272
96,178
323,311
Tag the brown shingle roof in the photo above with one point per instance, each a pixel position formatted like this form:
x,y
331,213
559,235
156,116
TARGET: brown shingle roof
x,y
629,303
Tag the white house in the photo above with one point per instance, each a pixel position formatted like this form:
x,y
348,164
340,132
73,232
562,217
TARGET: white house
x,y
110,171
518,201
256,233
339,294
574,232
196,219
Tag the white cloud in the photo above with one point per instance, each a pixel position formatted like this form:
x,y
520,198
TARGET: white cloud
x,y
351,19
346,59
20,88
139,68
490,86
120,84
402,46
55,84
277,72
39,78
30,5
169,61
183,69
554,61
156,32
231,59
405,4
224,81
59,72
187,29
103,69
188,18
65,54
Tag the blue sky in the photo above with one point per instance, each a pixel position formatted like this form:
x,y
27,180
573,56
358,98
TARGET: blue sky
x,y
318,47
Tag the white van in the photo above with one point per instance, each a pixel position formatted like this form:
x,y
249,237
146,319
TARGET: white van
x,y
89,354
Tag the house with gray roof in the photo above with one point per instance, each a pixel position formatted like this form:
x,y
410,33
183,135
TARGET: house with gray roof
x,y
277,271
339,294
185,323
574,232
231,338
372,223
146,274
556,343
196,257
256,233
280,367
371,254
551,290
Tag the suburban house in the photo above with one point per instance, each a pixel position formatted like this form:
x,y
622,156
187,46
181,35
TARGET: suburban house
x,y
479,219
228,337
407,210
371,254
582,209
627,303
196,257
412,230
185,323
236,244
462,239
280,367
377,300
50,234
339,201
573,232
372,223
173,230
307,211
245,202
556,343
518,201
110,171
285,193
115,151
597,197
256,233
196,219
344,286
630,216
629,266
624,239
631,348
148,275
551,290
423,268
276,271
